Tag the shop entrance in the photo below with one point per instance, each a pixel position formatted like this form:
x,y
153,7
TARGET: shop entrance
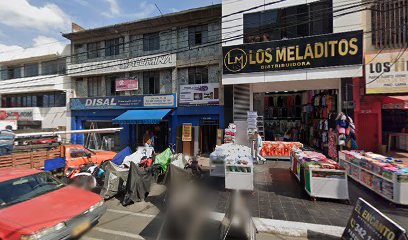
x,y
158,133
106,141
208,136
296,115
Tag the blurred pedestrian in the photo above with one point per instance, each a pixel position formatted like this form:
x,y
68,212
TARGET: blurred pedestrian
x,y
6,141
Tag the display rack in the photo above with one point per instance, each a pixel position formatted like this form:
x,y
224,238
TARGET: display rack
x,y
239,177
389,187
260,126
319,182
217,168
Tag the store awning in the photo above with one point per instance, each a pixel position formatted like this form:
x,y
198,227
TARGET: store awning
x,y
395,102
142,116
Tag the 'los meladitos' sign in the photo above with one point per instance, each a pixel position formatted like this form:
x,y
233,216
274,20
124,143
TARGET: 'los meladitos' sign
x,y
339,49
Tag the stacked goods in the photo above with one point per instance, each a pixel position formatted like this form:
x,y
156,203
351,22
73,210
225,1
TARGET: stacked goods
x,y
232,154
278,149
252,122
315,160
230,133
386,176
322,177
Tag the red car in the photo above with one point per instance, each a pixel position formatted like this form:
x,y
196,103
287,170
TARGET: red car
x,y
35,205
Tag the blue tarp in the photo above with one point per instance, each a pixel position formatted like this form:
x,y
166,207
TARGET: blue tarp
x,y
53,164
141,116
118,159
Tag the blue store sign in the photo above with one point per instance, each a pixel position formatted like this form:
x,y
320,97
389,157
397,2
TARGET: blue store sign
x,y
125,102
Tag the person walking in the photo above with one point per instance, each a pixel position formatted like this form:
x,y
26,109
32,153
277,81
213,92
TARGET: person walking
x,y
6,141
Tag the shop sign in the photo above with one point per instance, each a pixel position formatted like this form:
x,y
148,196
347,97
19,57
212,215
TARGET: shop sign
x,y
123,65
194,94
187,132
16,115
124,102
5,123
126,84
366,222
387,72
337,49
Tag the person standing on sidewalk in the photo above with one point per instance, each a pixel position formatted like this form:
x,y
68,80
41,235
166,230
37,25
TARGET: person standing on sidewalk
x,y
6,141
258,148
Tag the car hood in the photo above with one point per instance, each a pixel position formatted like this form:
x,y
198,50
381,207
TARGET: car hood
x,y
49,209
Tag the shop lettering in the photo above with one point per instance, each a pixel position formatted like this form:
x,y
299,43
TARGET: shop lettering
x,y
381,228
385,67
100,102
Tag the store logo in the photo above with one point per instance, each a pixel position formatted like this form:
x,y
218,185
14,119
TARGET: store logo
x,y
235,60
100,102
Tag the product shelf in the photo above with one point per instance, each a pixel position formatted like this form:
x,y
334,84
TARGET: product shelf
x,y
399,190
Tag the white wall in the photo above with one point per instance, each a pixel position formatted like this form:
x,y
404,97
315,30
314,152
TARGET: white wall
x,y
35,84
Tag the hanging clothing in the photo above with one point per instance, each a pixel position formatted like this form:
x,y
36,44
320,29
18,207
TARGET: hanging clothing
x,y
332,144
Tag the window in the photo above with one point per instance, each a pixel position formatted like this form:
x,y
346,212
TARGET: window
x,y
151,42
93,50
94,86
31,70
198,35
151,82
53,67
110,84
389,24
46,99
292,22
11,72
197,75
114,47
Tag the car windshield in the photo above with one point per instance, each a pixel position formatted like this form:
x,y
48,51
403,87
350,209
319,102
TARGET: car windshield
x,y
28,187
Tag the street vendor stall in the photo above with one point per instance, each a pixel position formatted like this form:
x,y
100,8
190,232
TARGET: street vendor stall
x,y
385,176
321,177
278,149
235,163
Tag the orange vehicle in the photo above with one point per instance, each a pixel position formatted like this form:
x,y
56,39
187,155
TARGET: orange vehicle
x,y
77,155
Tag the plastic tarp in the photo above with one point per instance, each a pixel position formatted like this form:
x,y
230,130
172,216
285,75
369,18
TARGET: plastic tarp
x,y
164,159
138,155
118,159
53,164
115,180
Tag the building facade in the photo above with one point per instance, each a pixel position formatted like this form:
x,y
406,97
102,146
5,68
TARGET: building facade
x,y
381,95
168,65
291,62
34,88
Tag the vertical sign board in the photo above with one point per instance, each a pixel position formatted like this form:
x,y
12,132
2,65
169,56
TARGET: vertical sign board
x,y
367,223
187,132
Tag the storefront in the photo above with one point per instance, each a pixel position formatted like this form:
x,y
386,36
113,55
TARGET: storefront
x,y
294,85
199,106
381,101
135,114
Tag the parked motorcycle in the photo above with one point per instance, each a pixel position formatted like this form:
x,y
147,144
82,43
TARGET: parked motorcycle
x,y
87,176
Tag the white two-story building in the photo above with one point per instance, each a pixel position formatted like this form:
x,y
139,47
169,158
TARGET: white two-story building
x,y
34,89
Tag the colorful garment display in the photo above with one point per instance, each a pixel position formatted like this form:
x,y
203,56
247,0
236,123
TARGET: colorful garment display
x,y
278,149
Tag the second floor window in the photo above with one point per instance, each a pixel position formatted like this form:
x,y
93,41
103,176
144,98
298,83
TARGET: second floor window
x,y
291,22
31,70
53,67
94,87
114,47
93,50
198,35
197,75
10,72
151,82
151,42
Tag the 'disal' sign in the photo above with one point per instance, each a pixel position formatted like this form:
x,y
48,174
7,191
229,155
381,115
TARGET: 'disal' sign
x,y
339,49
124,102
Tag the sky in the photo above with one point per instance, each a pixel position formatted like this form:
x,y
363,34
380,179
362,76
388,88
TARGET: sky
x,y
33,23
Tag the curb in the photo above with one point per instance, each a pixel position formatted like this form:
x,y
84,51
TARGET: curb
x,y
292,229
